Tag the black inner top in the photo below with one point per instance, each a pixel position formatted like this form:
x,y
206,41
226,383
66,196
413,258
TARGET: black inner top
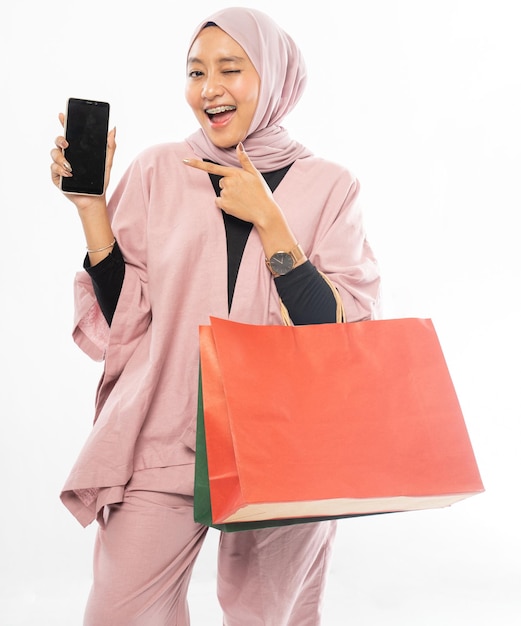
x,y
306,295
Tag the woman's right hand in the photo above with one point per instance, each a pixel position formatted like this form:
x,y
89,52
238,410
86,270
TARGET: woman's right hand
x,y
91,209
60,167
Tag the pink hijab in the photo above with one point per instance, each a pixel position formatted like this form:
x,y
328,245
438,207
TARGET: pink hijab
x,y
282,71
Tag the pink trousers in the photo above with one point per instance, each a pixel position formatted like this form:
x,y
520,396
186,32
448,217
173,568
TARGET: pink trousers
x,y
144,556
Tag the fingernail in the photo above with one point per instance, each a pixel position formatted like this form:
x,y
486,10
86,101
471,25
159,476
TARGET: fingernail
x,y
67,166
240,146
186,161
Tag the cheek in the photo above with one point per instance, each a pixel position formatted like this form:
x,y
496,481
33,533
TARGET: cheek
x,y
252,94
248,96
252,98
251,101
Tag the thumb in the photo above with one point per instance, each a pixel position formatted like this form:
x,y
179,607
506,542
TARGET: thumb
x,y
111,148
244,159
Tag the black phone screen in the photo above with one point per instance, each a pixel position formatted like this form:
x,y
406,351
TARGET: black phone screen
x,y
86,129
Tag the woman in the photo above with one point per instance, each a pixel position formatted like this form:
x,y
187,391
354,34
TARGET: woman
x,y
195,229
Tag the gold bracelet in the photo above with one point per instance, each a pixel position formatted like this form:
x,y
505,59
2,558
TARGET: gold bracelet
x,y
102,249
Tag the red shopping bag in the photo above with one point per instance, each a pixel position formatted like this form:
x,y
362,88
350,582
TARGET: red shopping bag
x,y
331,420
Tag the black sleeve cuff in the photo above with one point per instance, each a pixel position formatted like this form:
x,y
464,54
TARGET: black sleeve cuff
x,y
307,296
107,279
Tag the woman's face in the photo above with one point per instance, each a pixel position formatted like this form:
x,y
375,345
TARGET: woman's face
x,y
222,87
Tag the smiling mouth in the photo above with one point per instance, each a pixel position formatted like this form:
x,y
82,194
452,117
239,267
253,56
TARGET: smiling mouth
x,y
220,114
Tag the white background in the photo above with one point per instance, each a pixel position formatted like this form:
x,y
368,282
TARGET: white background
x,y
422,101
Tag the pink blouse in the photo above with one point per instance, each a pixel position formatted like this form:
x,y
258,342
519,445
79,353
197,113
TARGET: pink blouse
x,y
172,238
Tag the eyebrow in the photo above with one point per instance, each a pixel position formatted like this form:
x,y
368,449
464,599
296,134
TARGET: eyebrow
x,y
221,60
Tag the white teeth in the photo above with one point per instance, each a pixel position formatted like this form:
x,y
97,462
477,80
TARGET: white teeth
x,y
221,109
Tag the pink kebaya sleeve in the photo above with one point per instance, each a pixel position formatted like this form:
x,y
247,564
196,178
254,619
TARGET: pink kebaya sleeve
x,y
115,344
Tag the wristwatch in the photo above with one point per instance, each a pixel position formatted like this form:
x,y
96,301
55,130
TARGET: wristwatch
x,y
281,263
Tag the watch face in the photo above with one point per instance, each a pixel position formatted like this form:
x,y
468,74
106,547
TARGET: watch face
x,y
281,263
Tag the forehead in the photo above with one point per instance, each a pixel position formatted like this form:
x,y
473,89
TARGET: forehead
x,y
213,44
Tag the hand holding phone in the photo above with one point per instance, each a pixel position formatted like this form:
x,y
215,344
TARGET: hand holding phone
x,y
86,128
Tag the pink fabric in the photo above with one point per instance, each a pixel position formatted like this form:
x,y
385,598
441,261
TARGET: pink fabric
x,y
144,557
88,319
173,240
276,576
143,561
282,71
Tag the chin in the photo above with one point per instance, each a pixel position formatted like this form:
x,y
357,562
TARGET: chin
x,y
224,144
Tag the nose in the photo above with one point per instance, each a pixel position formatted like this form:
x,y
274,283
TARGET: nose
x,y
211,87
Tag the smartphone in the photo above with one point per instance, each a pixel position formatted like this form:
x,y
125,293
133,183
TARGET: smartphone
x,y
86,128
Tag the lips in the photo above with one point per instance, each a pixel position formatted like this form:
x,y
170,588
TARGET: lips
x,y
221,114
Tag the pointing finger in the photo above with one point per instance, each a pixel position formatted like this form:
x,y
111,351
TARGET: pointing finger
x,y
244,159
211,168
